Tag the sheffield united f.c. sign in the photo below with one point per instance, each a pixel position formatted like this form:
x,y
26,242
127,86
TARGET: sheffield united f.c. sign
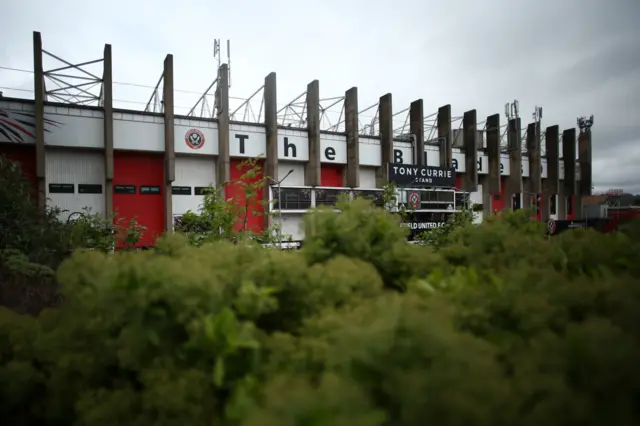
x,y
422,176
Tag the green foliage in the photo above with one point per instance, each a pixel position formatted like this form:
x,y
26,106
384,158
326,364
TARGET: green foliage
x,y
495,324
34,241
224,219
25,227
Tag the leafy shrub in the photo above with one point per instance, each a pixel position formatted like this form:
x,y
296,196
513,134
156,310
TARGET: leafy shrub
x,y
496,325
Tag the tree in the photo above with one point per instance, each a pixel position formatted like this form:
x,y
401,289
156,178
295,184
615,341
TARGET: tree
x,y
497,325
222,217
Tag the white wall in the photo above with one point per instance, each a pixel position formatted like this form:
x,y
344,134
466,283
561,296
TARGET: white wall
x,y
293,145
291,225
333,148
192,171
84,127
65,166
403,153
247,141
64,126
208,129
138,132
369,153
368,177
294,179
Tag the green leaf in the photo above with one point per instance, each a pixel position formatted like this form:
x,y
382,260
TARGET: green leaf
x,y
218,372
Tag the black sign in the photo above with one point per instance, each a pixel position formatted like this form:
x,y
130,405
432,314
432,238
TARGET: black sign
x,y
420,222
422,176
202,190
124,189
181,190
85,188
150,190
61,188
423,226
555,227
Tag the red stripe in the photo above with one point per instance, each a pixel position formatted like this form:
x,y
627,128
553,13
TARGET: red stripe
x,y
14,125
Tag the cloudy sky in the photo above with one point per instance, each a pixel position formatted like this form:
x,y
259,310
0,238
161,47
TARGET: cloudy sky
x,y
572,57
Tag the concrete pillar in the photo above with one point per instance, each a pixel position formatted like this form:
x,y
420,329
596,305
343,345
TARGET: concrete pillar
x,y
445,136
586,173
312,170
38,83
550,185
416,127
271,125
513,182
353,141
223,162
562,204
569,160
534,181
107,105
470,143
493,154
169,150
385,123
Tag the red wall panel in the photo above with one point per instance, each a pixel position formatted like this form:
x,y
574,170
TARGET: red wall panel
x,y
235,191
25,155
497,200
535,202
571,207
140,169
331,175
459,183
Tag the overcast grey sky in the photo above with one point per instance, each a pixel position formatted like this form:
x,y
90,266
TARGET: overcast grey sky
x,y
573,57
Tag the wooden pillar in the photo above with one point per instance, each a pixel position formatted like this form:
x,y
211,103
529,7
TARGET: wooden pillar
x,y
513,183
353,140
493,154
313,167
107,105
223,162
445,136
585,161
271,125
385,123
470,142
569,160
38,82
551,183
416,127
534,187
169,149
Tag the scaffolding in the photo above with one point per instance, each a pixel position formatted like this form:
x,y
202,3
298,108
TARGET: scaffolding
x,y
246,113
71,83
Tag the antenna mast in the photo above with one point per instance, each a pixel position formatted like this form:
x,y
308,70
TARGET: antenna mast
x,y
217,55
585,123
229,60
511,111
537,118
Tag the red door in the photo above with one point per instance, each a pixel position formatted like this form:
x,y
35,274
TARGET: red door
x,y
138,192
571,205
235,191
497,200
331,175
25,155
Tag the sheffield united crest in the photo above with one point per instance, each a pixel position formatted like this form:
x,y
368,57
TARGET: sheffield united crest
x,y
194,139
414,200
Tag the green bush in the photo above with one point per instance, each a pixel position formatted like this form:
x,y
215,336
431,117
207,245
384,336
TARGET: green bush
x,y
496,325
